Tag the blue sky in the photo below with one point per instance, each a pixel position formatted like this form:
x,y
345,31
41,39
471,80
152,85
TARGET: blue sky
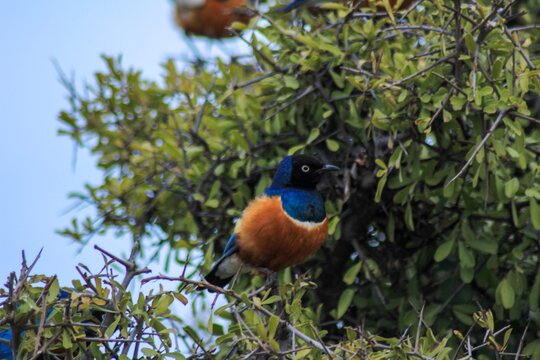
x,y
36,170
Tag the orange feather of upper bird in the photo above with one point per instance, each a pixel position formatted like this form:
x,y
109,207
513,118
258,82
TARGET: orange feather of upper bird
x,y
267,237
211,18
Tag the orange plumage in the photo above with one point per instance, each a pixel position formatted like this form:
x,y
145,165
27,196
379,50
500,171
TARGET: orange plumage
x,y
267,237
211,18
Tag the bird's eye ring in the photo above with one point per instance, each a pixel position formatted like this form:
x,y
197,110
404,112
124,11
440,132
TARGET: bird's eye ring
x,y
305,168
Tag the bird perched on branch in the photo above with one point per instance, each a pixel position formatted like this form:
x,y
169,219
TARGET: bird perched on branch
x,y
211,18
394,5
6,335
284,226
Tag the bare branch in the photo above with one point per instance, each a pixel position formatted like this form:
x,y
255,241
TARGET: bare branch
x,y
479,146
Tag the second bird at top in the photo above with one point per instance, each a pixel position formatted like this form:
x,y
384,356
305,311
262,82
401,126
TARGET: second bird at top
x,y
213,18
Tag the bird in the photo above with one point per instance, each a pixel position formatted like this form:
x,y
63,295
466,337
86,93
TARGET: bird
x,y
211,18
396,5
6,335
282,227
5,348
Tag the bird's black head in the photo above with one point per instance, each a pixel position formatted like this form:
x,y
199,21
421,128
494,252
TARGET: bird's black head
x,y
300,171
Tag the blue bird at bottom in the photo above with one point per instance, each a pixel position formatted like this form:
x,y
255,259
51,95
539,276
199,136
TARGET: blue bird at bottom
x,y
6,335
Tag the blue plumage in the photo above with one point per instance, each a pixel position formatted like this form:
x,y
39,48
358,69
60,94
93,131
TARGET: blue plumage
x,y
6,335
302,205
303,202
282,177
5,349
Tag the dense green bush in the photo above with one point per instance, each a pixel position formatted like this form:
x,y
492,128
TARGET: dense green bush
x,y
433,116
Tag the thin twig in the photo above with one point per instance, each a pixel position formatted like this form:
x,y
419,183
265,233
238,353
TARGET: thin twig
x,y
524,28
522,340
424,70
254,80
480,145
420,320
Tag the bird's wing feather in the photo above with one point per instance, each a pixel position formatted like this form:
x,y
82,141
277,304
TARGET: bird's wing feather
x,y
230,247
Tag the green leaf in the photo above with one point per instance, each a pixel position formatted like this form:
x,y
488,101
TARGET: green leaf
x,y
380,188
457,102
307,40
409,217
380,163
466,231
535,213
380,120
350,275
66,340
466,274
533,192
313,135
192,334
332,145
534,296
511,187
444,250
54,290
507,293
466,256
272,299
112,328
344,302
532,349
212,203
180,298
210,324
291,82
273,323
150,352
163,304
488,246
295,149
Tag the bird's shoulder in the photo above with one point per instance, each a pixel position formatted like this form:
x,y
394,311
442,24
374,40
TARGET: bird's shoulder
x,y
302,205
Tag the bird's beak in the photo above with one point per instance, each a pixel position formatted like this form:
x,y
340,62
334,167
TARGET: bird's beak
x,y
327,168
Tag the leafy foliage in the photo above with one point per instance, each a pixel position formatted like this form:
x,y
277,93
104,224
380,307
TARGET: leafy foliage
x,y
433,115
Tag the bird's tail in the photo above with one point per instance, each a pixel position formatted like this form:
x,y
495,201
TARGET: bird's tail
x,y
224,270
214,279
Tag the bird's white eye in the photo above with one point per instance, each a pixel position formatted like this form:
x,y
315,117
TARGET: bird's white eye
x,y
305,168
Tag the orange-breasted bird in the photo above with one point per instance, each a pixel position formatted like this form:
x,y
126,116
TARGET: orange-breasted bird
x,y
211,18
396,5
282,227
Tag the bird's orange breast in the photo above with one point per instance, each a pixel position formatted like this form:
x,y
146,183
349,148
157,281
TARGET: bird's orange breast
x,y
267,237
214,18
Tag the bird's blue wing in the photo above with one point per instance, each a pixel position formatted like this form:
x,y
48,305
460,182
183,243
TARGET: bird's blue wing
x,y
230,247
212,277
6,335
5,349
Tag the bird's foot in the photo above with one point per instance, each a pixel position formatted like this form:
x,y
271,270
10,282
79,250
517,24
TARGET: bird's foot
x,y
271,279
